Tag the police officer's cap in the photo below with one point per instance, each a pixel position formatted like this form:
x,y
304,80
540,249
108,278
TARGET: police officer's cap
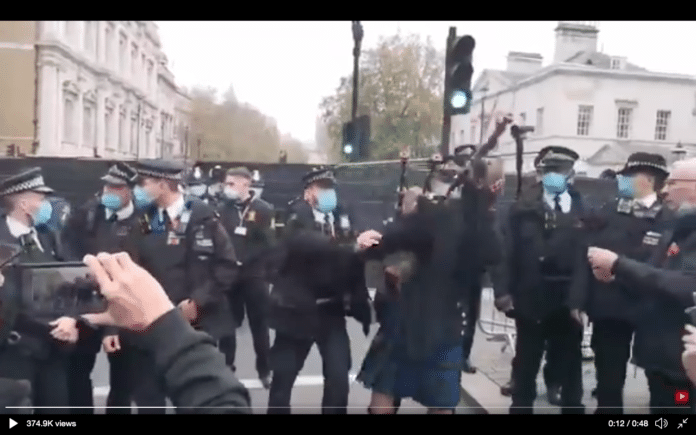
x,y
645,162
121,174
159,168
30,180
319,174
240,171
196,177
555,155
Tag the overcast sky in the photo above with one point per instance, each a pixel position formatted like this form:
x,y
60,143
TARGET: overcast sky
x,y
285,68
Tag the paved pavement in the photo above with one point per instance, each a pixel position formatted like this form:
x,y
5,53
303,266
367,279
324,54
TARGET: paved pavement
x,y
480,391
308,391
493,359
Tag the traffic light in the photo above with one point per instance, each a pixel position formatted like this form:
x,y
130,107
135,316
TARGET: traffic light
x,y
460,69
356,139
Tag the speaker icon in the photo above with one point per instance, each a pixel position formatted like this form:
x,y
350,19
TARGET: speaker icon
x,y
661,423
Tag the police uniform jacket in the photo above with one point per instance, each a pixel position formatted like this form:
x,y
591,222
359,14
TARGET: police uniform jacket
x,y
88,231
633,230
34,328
667,283
544,265
194,261
319,279
249,225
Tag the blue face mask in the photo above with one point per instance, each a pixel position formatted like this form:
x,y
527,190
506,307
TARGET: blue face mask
x,y
555,183
43,214
111,201
625,185
326,200
141,199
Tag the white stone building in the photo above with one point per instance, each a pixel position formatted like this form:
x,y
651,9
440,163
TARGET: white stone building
x,y
104,90
601,106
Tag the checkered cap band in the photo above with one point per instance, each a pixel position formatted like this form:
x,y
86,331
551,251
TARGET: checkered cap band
x,y
321,176
32,184
115,172
557,156
156,174
648,164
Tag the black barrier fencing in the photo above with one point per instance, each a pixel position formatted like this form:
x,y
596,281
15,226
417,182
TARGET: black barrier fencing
x,y
371,190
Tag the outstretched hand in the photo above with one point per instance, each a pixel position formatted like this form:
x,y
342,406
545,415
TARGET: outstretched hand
x,y
134,297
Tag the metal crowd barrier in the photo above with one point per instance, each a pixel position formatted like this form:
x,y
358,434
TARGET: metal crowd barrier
x,y
498,327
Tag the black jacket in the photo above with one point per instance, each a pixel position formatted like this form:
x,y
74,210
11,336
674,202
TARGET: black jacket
x,y
544,265
633,233
255,234
195,375
34,327
667,284
199,263
317,280
87,231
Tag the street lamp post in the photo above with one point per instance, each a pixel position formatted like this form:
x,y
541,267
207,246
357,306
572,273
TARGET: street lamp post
x,y
483,110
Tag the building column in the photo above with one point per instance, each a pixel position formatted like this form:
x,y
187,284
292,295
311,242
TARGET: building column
x,y
49,108
101,124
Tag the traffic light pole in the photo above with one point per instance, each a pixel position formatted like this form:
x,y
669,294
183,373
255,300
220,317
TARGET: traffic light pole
x,y
357,37
446,118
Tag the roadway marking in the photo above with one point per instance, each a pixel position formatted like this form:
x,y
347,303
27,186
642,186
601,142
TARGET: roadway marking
x,y
255,384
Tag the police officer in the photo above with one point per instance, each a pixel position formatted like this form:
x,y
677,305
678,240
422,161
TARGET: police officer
x,y
248,220
186,248
215,182
318,284
33,354
544,277
631,226
106,223
196,185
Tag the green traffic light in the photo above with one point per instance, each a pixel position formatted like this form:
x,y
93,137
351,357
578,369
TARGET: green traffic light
x,y
459,99
348,149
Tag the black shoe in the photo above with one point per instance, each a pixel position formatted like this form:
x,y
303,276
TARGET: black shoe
x,y
468,368
554,395
506,390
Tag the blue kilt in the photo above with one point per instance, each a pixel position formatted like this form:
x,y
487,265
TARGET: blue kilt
x,y
387,369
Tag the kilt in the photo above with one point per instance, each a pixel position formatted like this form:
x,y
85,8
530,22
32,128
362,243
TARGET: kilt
x,y
387,369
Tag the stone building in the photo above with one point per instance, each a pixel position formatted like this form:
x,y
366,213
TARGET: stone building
x,y
600,105
90,89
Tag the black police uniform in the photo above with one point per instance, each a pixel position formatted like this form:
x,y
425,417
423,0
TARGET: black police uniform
x,y
545,274
36,356
90,230
192,256
632,229
318,284
249,225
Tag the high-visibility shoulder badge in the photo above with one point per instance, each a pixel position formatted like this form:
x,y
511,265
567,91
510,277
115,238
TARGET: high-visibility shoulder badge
x,y
204,243
673,250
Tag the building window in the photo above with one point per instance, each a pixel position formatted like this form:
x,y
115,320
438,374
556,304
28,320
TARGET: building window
x,y
108,141
69,120
108,45
134,61
584,120
616,64
122,132
662,124
540,121
624,123
134,132
123,53
88,126
89,42
150,68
